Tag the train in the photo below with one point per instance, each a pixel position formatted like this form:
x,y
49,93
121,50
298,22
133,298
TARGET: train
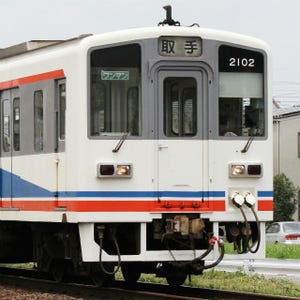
x,y
137,150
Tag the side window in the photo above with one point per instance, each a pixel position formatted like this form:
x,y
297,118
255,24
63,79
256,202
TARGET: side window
x,y
62,110
6,125
38,121
115,94
16,124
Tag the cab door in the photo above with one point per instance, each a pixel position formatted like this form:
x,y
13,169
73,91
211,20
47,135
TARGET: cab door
x,y
181,165
60,138
10,142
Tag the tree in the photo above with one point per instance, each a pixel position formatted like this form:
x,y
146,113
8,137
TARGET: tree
x,y
284,198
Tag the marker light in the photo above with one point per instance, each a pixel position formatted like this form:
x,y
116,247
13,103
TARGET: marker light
x,y
107,170
254,170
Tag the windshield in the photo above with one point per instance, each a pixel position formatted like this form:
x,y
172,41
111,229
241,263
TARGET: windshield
x,y
115,91
291,227
241,92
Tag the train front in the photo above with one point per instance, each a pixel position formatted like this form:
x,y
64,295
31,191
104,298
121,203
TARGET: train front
x,y
179,132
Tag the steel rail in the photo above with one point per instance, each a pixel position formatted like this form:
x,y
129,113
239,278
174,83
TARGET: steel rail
x,y
280,268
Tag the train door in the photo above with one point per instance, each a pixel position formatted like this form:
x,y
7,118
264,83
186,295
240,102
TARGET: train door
x,y
181,117
10,142
60,113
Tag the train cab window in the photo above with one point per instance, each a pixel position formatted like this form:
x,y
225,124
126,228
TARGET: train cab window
x,y
16,124
38,121
115,93
180,106
241,92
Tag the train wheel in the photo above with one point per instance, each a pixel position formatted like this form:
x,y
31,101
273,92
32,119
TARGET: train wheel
x,y
131,272
175,278
99,278
58,270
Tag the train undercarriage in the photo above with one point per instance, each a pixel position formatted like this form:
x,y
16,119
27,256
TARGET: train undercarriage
x,y
56,247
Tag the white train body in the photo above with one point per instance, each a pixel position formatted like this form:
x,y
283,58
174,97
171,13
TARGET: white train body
x,y
127,128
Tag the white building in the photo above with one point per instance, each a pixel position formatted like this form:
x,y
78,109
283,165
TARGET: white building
x,y
286,135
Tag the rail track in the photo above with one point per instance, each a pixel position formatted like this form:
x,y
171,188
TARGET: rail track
x,y
38,284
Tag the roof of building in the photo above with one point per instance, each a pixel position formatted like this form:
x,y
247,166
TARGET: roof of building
x,y
285,112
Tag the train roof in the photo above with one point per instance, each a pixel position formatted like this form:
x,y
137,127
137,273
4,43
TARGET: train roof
x,y
135,34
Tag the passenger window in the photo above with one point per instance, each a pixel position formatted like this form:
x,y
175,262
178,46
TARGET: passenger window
x,y
16,124
6,125
115,103
38,121
180,106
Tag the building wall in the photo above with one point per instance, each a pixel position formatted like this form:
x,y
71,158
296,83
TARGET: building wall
x,y
286,150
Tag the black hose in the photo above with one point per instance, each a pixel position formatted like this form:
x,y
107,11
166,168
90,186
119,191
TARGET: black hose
x,y
119,257
219,259
258,233
209,249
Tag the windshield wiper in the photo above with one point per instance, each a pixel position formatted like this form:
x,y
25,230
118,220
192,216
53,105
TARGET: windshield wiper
x,y
120,143
248,144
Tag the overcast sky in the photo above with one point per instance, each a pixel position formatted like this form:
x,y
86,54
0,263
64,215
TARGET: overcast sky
x,y
275,21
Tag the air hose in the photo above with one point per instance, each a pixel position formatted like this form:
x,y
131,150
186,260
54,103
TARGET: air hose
x,y
101,238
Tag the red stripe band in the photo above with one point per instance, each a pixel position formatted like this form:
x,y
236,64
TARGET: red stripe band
x,y
265,205
116,205
31,79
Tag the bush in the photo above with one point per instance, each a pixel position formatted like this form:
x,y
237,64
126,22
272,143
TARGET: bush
x,y
284,198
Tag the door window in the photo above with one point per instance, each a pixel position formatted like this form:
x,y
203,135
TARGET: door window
x,y
6,125
180,106
16,124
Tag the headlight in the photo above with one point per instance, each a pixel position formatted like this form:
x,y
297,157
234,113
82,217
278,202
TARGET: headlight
x,y
237,170
123,170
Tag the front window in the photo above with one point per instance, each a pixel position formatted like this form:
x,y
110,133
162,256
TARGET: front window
x,y
115,105
241,92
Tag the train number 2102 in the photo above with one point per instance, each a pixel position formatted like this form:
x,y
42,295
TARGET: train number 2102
x,y
241,62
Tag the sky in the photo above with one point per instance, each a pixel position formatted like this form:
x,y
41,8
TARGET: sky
x,y
277,22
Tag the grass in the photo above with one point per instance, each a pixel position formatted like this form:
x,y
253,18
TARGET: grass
x,y
242,282
283,251
235,281
274,251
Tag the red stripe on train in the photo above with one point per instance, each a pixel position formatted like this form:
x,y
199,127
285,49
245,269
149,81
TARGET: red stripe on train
x,y
31,79
265,205
116,205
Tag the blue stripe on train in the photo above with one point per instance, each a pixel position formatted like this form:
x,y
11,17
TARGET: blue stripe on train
x,y
22,189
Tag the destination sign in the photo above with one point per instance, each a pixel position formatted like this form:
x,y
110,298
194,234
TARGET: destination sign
x,y
180,46
114,75
233,59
